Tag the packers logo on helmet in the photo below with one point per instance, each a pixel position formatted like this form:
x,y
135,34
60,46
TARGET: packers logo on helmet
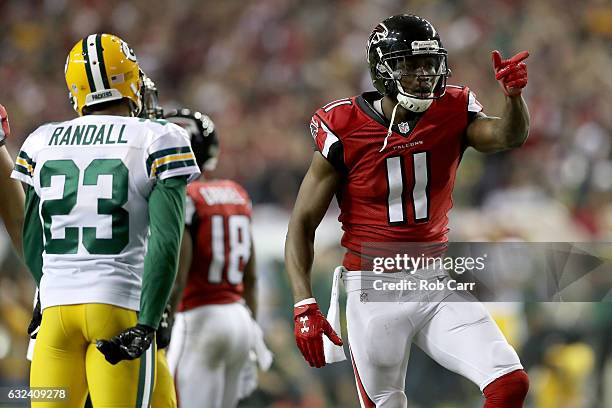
x,y
102,68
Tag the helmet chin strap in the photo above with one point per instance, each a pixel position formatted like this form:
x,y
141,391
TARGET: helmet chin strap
x,y
412,104
415,105
390,131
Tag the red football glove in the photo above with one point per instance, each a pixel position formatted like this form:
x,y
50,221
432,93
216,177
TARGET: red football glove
x,y
6,129
511,73
310,324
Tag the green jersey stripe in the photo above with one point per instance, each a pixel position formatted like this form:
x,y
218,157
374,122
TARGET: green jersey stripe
x,y
19,168
165,152
25,157
175,165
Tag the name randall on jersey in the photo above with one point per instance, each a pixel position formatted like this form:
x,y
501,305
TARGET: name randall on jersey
x,y
85,135
423,284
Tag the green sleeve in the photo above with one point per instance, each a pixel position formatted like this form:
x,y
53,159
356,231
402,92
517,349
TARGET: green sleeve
x,y
166,218
33,235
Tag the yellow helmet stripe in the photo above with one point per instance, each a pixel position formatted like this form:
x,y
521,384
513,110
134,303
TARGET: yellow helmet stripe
x,y
100,52
90,80
93,62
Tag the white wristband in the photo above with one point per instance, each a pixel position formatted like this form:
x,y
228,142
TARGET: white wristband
x,y
305,302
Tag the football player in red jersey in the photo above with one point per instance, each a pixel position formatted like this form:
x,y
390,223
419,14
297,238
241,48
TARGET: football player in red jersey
x,y
391,157
11,209
214,330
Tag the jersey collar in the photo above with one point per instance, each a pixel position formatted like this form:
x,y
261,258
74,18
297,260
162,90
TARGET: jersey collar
x,y
365,103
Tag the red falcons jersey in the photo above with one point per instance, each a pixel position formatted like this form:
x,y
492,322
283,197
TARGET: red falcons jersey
x,y
401,193
218,215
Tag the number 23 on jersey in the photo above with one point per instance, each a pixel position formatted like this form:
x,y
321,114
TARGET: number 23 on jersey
x,y
65,204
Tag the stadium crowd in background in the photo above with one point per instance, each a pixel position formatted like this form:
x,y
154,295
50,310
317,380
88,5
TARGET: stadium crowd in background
x,y
261,68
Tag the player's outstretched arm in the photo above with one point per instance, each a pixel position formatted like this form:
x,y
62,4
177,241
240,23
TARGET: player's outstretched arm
x,y
491,134
316,192
12,206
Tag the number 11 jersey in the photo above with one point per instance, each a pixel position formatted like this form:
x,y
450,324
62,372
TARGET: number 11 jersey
x,y
397,188
92,177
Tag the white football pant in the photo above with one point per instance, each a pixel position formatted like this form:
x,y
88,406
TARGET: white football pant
x,y
210,345
458,334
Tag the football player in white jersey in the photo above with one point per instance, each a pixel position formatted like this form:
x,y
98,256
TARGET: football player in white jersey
x,y
11,210
164,393
103,223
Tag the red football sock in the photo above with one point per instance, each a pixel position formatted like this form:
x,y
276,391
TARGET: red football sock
x,y
508,391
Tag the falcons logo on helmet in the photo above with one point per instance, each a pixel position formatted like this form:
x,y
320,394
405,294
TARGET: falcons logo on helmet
x,y
378,34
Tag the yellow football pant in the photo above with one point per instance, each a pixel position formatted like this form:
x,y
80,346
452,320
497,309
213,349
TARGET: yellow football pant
x,y
164,394
65,356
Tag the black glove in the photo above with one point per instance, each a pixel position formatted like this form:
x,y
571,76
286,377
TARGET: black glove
x,y
36,319
130,344
164,331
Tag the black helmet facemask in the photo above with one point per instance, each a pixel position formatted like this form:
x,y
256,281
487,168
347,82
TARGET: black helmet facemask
x,y
419,78
406,51
151,108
